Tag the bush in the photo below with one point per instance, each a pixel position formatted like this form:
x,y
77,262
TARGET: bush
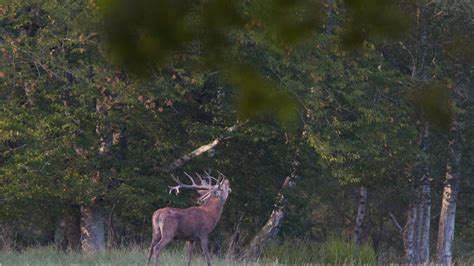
x,y
292,252
339,252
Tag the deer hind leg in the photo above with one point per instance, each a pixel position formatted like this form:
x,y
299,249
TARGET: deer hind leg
x,y
159,246
154,241
168,229
189,250
205,250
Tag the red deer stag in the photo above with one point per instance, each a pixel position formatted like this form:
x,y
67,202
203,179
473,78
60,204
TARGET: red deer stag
x,y
191,224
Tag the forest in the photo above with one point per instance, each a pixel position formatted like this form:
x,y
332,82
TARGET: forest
x,y
345,127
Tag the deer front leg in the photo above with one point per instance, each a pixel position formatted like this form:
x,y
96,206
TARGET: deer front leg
x,y
205,250
189,251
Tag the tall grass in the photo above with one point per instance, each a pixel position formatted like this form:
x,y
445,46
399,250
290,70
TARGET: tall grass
x,y
298,252
331,252
339,252
293,252
45,256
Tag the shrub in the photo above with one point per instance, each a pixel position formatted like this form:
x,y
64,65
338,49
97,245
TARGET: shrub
x,y
339,252
292,252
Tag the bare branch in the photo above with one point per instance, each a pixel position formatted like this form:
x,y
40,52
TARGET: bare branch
x,y
395,222
197,152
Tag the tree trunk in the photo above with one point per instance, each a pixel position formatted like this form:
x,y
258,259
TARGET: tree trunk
x,y
272,227
330,21
93,213
361,210
424,220
410,241
450,195
268,232
416,233
92,228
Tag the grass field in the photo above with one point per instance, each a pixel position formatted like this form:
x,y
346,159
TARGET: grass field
x,y
330,253
302,253
130,256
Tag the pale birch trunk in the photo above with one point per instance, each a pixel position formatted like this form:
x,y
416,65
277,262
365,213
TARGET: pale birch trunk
x,y
410,241
416,234
272,227
268,232
361,210
424,220
450,192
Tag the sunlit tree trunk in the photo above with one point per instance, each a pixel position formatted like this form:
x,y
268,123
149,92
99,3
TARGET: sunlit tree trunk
x,y
450,192
448,215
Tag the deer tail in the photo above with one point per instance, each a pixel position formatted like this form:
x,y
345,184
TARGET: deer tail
x,y
156,235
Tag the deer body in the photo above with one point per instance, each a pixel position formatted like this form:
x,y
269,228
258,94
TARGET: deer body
x,y
191,224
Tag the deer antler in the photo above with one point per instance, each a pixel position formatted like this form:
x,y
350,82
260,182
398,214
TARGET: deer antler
x,y
202,183
221,178
211,177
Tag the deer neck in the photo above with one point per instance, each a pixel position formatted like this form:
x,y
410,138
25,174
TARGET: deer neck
x,y
215,207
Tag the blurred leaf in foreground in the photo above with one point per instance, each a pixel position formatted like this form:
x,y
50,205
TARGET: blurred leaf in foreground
x,y
433,103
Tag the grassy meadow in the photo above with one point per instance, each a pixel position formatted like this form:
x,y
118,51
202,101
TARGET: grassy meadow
x,y
129,256
332,252
296,253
